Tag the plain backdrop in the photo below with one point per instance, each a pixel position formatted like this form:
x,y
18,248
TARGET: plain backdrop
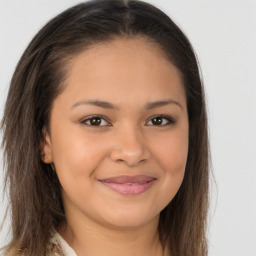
x,y
223,33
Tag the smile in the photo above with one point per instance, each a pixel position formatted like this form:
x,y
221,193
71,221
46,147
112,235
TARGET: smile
x,y
129,185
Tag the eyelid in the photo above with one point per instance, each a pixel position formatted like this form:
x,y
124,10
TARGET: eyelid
x,y
88,118
171,120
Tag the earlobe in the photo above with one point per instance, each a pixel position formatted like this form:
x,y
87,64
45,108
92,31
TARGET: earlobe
x,y
46,149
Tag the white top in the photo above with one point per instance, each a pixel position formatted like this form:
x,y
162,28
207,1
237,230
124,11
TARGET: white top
x,y
61,248
66,250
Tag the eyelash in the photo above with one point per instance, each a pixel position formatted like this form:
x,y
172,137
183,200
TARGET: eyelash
x,y
169,120
90,118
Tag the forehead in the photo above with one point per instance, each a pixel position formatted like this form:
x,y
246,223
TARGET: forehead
x,y
120,51
121,67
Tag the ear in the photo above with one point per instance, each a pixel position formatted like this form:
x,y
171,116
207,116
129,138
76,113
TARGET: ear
x,y
46,147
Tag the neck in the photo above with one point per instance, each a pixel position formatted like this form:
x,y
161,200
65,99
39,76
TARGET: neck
x,y
94,239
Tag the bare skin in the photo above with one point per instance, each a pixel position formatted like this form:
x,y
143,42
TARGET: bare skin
x,y
119,142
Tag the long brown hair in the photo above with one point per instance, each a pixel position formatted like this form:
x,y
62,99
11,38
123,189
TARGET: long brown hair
x,y
34,189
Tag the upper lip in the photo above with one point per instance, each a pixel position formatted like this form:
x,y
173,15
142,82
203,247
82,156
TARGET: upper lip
x,y
123,179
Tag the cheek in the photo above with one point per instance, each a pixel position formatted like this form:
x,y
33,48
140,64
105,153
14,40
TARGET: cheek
x,y
175,157
76,155
172,150
171,155
76,159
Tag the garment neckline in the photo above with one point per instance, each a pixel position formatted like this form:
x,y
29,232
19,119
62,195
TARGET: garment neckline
x,y
63,246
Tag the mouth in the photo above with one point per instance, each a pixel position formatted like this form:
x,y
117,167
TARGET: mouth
x,y
129,185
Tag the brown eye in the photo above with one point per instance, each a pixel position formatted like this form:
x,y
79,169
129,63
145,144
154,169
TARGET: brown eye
x,y
160,121
157,120
95,121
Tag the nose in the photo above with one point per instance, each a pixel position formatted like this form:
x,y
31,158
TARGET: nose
x,y
130,147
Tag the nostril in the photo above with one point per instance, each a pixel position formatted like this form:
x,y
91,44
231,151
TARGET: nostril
x,y
130,163
129,146
130,157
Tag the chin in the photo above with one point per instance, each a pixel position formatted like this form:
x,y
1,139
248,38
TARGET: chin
x,y
130,221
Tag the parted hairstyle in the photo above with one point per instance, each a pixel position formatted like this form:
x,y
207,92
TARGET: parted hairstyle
x,y
34,190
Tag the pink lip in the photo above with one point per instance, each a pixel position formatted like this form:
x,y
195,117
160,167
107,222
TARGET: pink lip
x,y
129,185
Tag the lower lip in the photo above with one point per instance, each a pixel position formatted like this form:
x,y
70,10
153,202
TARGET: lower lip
x,y
129,189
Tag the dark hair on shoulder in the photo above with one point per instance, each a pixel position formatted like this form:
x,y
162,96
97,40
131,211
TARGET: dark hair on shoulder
x,y
34,189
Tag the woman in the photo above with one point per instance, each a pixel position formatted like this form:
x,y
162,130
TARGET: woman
x,y
105,137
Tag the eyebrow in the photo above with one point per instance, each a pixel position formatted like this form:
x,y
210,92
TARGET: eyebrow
x,y
161,103
108,105
98,103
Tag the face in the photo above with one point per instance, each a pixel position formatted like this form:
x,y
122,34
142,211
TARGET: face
x,y
118,134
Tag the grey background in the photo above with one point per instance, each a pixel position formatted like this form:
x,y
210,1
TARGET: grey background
x,y
223,33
